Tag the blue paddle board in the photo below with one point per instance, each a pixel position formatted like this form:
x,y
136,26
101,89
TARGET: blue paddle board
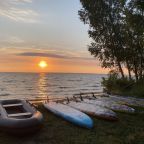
x,y
70,114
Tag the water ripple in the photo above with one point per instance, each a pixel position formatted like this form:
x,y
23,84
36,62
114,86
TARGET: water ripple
x,y
27,85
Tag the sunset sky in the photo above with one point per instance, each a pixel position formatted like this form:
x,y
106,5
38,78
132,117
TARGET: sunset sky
x,y
49,30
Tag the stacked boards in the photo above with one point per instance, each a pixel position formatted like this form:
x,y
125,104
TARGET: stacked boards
x,y
110,105
77,112
94,110
131,101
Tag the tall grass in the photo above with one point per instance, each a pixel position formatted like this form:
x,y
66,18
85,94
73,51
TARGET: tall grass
x,y
123,86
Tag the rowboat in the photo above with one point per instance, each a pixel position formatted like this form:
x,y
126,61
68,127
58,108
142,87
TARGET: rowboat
x,y
19,116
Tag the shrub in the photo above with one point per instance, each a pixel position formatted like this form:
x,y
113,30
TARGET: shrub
x,y
115,84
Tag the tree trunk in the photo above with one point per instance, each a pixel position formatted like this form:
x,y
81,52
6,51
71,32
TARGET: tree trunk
x,y
136,72
129,71
141,65
140,71
120,69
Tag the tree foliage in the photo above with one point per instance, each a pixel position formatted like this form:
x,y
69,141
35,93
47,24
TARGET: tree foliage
x,y
117,31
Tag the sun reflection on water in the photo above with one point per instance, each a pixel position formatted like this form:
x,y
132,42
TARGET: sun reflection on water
x,y
42,85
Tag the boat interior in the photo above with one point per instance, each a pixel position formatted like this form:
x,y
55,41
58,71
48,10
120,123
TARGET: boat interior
x,y
16,109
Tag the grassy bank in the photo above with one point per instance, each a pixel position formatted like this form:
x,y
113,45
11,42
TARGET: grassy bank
x,y
128,130
114,84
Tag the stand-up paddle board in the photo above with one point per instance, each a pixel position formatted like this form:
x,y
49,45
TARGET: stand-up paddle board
x,y
70,114
132,101
106,102
98,111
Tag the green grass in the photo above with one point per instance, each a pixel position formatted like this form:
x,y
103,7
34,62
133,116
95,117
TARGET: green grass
x,y
128,130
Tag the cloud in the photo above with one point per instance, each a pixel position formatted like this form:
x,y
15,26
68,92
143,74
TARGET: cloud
x,y
11,41
15,40
11,9
36,54
28,1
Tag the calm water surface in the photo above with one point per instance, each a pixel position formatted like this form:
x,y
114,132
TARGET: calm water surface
x,y
29,85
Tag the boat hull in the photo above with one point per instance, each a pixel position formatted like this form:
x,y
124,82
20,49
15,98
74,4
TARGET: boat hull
x,y
15,123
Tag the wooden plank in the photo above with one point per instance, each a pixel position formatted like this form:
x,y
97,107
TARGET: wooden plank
x,y
38,100
86,93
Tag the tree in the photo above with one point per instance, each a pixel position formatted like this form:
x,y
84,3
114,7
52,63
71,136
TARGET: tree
x,y
103,19
117,30
135,30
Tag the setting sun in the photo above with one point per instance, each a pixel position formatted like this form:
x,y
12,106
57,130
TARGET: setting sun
x,y
42,64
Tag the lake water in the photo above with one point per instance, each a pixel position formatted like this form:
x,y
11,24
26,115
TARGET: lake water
x,y
30,85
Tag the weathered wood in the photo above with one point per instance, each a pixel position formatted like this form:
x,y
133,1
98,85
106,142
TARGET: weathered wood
x,y
96,93
38,100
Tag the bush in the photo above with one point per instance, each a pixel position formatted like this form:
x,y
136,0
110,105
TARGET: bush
x,y
115,84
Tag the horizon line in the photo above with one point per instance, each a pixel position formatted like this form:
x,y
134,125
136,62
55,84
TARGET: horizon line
x,y
59,73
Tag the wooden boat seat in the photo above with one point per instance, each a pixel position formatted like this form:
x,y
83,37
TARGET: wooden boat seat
x,y
12,105
20,114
